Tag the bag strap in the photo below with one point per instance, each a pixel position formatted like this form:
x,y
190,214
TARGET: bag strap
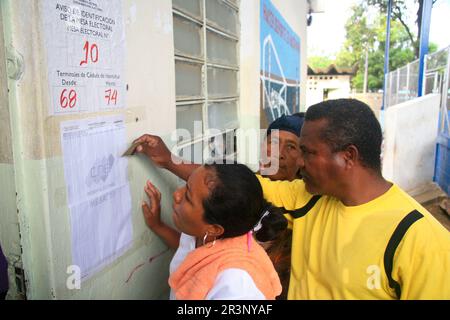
x,y
300,212
392,245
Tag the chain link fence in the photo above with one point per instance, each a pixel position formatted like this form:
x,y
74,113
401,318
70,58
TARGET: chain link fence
x,y
402,84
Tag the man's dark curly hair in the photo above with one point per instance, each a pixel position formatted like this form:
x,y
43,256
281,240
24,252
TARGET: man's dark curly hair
x,y
350,122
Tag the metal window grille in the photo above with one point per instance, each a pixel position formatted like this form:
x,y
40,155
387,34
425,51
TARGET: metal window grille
x,y
206,40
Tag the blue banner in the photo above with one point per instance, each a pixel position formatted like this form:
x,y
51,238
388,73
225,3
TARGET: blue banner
x,y
280,64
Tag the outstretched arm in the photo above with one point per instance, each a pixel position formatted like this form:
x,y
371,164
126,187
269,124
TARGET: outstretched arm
x,y
156,150
152,215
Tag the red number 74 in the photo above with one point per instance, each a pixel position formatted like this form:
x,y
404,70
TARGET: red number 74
x,y
111,96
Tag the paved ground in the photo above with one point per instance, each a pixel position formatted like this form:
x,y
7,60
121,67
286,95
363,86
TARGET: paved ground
x,y
439,213
432,197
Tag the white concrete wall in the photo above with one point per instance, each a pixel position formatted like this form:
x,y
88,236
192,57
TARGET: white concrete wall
x,y
37,173
9,223
314,91
249,84
410,134
339,88
33,156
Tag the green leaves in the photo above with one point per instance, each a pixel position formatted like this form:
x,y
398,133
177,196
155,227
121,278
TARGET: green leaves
x,y
366,30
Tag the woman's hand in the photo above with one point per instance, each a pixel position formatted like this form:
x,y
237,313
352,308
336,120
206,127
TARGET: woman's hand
x,y
152,211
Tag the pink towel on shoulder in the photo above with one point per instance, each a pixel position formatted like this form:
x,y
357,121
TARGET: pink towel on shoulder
x,y
197,273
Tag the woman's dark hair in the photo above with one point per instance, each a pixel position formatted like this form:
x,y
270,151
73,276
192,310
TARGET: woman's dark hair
x,y
237,204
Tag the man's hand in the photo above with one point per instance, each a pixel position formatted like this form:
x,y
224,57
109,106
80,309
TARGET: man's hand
x,y
152,212
155,149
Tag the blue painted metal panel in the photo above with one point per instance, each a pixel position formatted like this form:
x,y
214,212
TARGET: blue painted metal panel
x,y
386,53
280,64
442,171
424,35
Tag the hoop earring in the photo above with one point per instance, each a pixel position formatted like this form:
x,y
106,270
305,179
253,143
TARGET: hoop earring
x,y
204,241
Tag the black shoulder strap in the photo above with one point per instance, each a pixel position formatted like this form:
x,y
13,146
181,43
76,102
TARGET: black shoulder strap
x,y
300,212
393,243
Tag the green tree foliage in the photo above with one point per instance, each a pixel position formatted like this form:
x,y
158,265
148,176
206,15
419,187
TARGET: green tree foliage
x,y
358,36
362,35
319,62
400,14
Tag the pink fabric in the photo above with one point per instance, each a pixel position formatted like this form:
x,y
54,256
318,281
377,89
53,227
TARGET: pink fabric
x,y
196,275
249,240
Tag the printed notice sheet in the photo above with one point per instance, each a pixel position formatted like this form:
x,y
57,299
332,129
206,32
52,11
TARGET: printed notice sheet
x,y
98,190
85,42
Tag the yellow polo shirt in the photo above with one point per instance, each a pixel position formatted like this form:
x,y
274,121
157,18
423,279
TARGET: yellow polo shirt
x,y
339,252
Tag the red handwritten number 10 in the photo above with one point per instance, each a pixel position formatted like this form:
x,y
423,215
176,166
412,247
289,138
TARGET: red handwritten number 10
x,y
69,100
91,51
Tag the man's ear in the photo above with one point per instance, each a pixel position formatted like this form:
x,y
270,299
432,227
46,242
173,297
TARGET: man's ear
x,y
350,156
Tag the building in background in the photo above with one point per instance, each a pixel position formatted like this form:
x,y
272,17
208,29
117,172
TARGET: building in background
x,y
328,83
156,66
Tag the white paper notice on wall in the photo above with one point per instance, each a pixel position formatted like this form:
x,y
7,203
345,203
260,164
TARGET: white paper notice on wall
x,y
98,191
85,41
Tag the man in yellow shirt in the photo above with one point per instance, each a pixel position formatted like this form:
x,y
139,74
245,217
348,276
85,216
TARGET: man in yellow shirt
x,y
359,236
355,235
